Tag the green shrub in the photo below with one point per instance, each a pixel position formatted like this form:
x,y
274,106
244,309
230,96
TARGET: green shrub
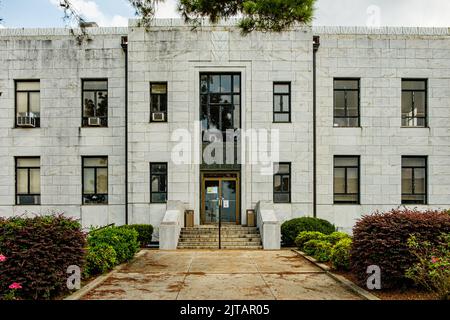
x,y
319,249
335,237
291,228
100,259
123,240
305,236
36,253
145,232
432,270
340,254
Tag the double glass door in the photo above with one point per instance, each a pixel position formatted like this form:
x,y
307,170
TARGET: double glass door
x,y
220,198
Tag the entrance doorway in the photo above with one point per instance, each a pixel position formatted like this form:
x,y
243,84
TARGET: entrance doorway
x,y
220,196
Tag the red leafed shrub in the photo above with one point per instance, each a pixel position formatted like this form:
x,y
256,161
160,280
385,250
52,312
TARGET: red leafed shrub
x,y
382,239
36,253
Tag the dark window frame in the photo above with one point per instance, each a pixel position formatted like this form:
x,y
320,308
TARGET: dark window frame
x,y
166,95
289,94
83,195
281,177
425,195
425,80
166,175
17,203
38,122
103,119
232,92
345,102
358,167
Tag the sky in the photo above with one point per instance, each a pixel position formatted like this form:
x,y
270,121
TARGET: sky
x,y
417,13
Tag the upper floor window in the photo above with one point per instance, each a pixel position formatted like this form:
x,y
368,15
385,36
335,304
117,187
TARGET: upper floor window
x,y
346,102
281,102
95,103
414,180
28,181
282,183
346,179
158,182
414,103
95,180
28,103
158,102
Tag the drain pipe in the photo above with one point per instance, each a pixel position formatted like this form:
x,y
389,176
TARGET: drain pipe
x,y
125,49
316,45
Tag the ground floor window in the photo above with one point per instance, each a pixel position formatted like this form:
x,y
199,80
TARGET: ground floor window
x,y
346,179
414,180
95,180
282,183
28,181
158,182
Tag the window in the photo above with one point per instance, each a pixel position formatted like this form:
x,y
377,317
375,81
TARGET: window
x,y
95,103
346,102
28,181
414,180
158,182
95,180
414,103
28,103
346,179
282,183
158,102
281,102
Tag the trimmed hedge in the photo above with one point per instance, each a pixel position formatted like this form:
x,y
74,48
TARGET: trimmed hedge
x,y
291,228
335,237
145,232
381,239
319,249
38,251
340,254
305,236
100,259
122,240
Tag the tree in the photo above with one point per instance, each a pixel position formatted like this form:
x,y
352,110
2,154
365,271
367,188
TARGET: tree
x,y
254,15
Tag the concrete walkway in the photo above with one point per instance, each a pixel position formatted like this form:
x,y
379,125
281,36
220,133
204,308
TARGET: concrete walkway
x,y
221,275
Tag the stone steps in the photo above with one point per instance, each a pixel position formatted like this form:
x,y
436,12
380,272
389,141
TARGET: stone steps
x,y
232,237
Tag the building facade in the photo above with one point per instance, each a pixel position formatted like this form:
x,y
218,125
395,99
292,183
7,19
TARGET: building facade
x,y
94,128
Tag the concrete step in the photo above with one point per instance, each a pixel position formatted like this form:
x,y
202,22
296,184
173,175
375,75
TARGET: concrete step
x,y
224,242
201,236
217,232
256,239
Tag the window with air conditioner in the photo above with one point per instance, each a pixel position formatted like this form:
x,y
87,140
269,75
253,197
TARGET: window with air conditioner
x,y
28,105
28,181
158,102
95,103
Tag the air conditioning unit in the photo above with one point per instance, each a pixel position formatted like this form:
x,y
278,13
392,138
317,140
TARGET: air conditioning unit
x,y
158,117
94,122
26,120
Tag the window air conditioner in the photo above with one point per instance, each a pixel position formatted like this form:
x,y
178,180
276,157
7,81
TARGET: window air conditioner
x,y
94,122
26,120
158,117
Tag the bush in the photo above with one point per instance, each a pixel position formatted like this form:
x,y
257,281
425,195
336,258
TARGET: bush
x,y
335,237
36,253
100,259
381,239
145,232
122,240
291,228
432,271
340,254
320,250
305,236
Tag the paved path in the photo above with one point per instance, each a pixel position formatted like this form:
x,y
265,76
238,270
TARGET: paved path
x,y
219,274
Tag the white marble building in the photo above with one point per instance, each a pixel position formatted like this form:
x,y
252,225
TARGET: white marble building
x,y
53,103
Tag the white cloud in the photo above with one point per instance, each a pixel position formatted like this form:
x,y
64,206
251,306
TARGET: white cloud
x,y
167,9
90,11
